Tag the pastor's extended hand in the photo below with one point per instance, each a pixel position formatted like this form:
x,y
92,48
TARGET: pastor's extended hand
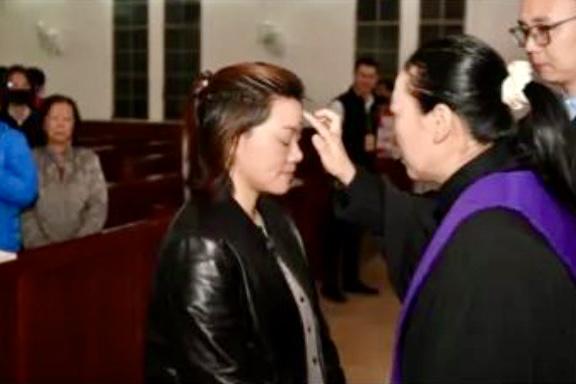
x,y
328,144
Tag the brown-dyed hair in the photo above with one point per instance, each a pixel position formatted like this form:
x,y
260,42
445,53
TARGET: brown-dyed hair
x,y
225,105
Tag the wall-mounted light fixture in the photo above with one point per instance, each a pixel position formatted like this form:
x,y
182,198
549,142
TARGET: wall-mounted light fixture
x,y
272,38
50,38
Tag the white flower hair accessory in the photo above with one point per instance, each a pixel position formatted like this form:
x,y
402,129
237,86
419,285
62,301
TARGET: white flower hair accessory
x,y
519,75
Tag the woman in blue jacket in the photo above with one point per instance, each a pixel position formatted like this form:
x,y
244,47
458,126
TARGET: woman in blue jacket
x,y
18,187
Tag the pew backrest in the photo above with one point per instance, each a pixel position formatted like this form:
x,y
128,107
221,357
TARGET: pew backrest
x,y
75,312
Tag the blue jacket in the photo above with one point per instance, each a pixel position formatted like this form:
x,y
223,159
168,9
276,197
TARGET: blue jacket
x,y
18,185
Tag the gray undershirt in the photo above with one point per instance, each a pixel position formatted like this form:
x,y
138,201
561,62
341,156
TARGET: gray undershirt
x,y
309,323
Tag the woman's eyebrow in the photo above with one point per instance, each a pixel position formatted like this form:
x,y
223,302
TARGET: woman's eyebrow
x,y
296,128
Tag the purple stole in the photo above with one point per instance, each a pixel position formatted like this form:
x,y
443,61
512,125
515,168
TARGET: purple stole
x,y
520,191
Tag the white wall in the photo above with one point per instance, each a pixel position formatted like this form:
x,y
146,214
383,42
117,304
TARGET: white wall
x,y
156,60
319,39
490,20
409,29
84,70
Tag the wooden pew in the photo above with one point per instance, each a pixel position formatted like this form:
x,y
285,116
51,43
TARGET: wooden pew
x,y
98,132
125,147
142,163
9,273
75,312
135,200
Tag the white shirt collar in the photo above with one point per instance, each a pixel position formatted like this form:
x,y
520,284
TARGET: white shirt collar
x,y
571,105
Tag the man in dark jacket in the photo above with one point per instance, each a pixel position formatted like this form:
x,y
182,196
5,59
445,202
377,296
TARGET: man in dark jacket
x,y
356,107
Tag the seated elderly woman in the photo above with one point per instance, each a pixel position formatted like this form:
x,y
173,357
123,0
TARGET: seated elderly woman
x,y
73,197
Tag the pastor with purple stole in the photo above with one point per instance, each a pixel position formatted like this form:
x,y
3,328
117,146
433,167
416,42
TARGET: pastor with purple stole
x,y
520,191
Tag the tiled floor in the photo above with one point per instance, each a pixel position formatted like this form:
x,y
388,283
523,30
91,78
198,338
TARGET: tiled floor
x,y
363,328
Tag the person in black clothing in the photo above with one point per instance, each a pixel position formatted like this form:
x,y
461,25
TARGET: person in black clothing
x,y
38,81
486,267
234,301
18,98
3,71
357,108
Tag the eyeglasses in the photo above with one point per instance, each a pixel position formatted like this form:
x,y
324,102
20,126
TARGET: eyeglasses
x,y
540,33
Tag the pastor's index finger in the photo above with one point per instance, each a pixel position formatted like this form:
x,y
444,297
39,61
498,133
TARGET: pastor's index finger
x,y
316,124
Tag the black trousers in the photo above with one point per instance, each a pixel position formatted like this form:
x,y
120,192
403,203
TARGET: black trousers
x,y
342,255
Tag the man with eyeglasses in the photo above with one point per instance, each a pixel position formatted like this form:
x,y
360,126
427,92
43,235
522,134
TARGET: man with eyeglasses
x,y
547,32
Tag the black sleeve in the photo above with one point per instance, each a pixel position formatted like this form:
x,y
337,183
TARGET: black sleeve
x,y
499,307
362,201
403,223
198,329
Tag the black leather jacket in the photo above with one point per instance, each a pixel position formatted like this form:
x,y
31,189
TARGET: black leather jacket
x,y
222,311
